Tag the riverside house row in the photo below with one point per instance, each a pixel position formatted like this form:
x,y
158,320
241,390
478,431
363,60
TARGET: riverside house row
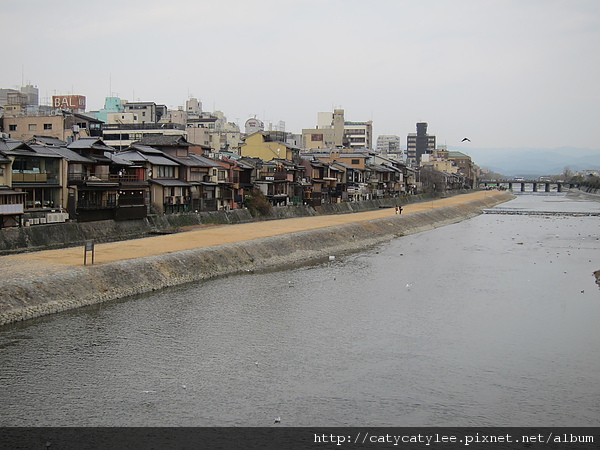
x,y
45,180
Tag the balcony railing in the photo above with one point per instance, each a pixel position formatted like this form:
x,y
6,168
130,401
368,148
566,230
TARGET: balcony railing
x,y
79,176
34,177
143,126
177,200
103,204
131,201
11,209
125,178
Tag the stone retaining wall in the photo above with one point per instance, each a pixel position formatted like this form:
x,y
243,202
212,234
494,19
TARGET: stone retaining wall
x,y
37,296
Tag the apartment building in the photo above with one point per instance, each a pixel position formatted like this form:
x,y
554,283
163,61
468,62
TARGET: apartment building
x,y
269,145
329,132
388,143
60,124
333,131
359,135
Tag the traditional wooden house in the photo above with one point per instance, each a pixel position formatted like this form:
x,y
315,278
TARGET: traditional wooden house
x,y
11,207
38,172
93,192
323,178
168,193
12,203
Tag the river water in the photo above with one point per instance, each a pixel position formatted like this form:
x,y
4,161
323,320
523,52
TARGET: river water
x,y
489,322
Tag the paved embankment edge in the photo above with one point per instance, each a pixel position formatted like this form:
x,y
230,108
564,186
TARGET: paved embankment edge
x,y
32,297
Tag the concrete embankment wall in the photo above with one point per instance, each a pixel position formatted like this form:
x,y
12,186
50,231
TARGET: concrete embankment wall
x,y
33,297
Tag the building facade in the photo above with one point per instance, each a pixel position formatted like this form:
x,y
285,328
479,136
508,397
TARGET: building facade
x,y
387,143
359,135
418,144
61,124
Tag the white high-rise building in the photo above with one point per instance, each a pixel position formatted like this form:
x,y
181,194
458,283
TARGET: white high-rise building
x,y
388,143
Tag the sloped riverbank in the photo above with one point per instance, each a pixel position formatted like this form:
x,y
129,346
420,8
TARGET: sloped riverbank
x,y
37,295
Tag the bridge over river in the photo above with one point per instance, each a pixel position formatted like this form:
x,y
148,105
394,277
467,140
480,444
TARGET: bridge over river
x,y
528,185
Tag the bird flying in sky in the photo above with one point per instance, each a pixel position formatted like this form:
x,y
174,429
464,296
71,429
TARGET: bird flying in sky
x,y
466,139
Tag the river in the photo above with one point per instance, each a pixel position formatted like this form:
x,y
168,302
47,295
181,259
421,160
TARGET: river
x,y
489,322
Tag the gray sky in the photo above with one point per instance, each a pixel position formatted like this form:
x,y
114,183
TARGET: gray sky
x,y
505,73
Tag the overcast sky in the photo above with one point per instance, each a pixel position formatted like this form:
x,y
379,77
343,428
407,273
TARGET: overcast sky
x,y
505,73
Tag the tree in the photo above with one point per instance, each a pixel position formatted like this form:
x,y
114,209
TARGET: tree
x,y
257,203
432,180
567,174
489,175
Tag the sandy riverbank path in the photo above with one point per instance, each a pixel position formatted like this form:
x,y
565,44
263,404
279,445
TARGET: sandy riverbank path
x,y
54,261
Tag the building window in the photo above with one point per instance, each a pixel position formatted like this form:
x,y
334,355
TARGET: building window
x,y
316,137
12,128
355,161
32,127
166,172
47,126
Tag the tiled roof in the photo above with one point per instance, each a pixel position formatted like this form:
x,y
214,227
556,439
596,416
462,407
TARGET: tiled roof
x,y
169,182
157,159
49,140
89,143
146,149
164,140
69,155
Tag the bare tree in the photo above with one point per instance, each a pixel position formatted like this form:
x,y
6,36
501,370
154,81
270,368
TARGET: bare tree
x,y
567,174
432,180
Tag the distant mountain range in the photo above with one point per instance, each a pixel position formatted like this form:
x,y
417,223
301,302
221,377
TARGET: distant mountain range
x,y
533,161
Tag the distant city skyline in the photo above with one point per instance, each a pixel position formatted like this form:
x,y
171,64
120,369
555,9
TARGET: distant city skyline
x,y
504,73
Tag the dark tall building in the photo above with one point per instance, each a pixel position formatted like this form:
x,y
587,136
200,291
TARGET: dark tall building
x,y
419,143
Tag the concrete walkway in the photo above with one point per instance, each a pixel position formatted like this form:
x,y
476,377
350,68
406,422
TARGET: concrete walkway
x,y
55,261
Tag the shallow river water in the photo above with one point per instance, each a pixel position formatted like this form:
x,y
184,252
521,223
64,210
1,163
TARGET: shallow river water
x,y
489,322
